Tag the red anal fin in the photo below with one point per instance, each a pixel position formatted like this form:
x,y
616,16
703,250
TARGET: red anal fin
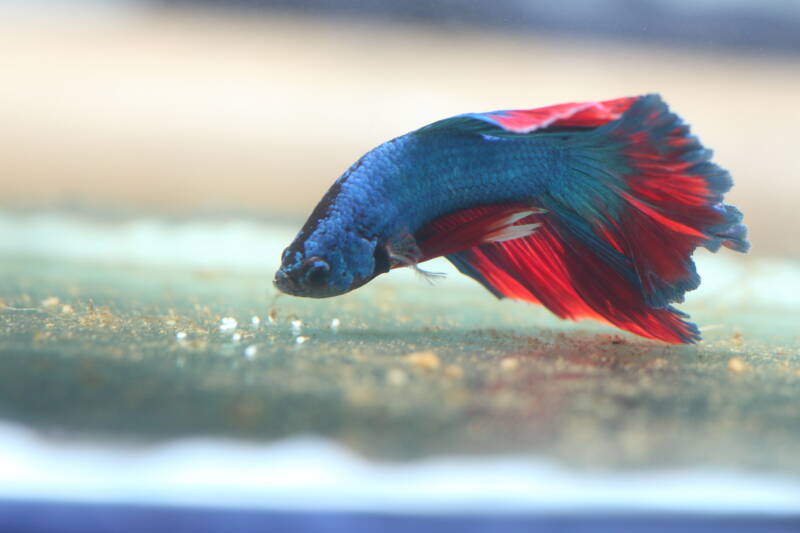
x,y
549,265
554,268
471,227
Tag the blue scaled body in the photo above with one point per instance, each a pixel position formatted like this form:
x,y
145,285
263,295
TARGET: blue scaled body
x,y
403,184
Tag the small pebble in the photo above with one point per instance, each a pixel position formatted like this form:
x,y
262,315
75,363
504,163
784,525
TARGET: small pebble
x,y
300,340
50,302
737,365
509,364
66,309
454,371
396,377
228,323
236,337
658,363
427,360
255,321
251,351
297,326
181,335
335,323
272,316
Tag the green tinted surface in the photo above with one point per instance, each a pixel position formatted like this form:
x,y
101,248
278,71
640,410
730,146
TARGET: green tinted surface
x,y
95,350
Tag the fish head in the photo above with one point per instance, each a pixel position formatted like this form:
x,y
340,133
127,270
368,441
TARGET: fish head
x,y
329,263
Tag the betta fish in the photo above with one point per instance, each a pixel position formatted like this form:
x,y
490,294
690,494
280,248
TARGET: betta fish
x,y
592,210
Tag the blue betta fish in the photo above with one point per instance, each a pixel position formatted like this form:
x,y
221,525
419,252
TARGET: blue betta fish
x,y
592,210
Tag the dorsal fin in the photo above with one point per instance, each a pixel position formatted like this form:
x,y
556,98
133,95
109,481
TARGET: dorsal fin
x,y
576,115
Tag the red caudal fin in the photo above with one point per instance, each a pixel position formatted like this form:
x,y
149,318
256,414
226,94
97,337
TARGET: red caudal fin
x,y
616,244
672,198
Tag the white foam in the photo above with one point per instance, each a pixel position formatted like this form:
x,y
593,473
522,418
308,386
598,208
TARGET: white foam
x,y
314,474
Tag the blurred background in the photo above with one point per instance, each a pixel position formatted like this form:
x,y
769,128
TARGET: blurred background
x,y
157,155
256,106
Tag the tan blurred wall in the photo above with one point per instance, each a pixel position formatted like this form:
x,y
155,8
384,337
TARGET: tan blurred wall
x,y
163,111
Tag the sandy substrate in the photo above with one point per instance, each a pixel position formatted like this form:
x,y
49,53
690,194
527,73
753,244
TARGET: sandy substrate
x,y
148,330
165,112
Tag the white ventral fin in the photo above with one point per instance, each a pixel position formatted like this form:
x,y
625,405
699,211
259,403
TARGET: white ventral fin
x,y
505,230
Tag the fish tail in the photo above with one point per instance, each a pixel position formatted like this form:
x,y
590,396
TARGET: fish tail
x,y
649,195
664,197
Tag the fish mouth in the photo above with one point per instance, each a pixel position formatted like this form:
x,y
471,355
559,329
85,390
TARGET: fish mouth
x,y
286,283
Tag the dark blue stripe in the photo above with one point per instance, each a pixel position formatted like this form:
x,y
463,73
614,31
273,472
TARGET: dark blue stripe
x,y
53,517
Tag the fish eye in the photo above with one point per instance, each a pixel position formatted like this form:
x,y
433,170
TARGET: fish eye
x,y
315,271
